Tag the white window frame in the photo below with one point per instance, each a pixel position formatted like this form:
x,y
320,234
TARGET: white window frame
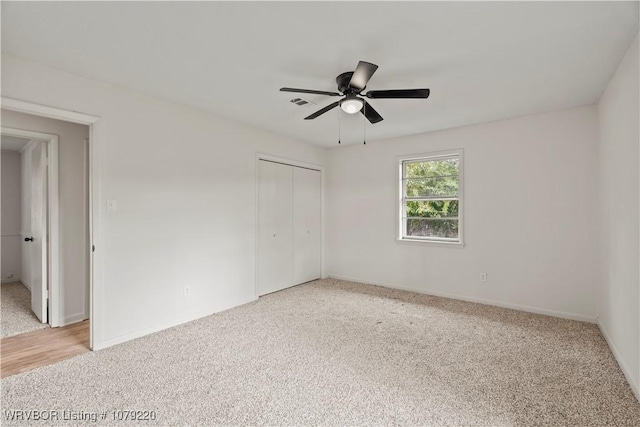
x,y
400,199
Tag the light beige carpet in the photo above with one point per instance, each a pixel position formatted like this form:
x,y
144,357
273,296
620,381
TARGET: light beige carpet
x,y
338,353
15,311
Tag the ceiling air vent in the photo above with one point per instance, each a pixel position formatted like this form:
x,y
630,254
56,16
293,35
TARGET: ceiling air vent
x,y
301,101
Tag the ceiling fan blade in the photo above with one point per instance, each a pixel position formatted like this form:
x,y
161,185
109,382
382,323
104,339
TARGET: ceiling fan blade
x,y
363,73
317,92
370,113
324,110
398,93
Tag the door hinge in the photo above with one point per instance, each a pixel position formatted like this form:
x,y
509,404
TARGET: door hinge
x,y
46,294
93,248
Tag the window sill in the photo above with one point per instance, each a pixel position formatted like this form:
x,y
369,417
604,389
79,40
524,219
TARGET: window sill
x,y
433,243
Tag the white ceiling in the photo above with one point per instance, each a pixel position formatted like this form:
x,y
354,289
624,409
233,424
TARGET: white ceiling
x,y
13,143
483,61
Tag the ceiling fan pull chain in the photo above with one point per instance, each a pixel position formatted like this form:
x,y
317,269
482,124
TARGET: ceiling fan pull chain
x,y
364,123
339,127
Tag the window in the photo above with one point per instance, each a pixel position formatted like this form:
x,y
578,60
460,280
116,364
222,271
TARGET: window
x,y
431,198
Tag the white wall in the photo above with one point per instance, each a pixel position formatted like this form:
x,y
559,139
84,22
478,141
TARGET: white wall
x,y
528,214
10,219
618,155
73,208
185,185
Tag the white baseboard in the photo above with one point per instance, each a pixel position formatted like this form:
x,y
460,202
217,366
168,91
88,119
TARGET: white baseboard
x,y
26,285
170,324
12,280
536,310
623,366
73,318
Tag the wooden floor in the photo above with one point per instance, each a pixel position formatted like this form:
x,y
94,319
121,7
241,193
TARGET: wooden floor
x,y
28,351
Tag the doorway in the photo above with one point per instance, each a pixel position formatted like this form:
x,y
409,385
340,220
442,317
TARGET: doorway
x,y
94,145
18,307
52,265
30,230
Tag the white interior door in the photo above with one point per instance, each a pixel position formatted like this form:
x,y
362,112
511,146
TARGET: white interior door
x,y
38,243
307,225
275,227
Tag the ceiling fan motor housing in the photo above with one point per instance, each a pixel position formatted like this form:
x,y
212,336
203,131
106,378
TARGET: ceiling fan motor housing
x,y
343,83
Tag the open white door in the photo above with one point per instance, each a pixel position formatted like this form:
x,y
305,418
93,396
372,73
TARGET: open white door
x,y
38,237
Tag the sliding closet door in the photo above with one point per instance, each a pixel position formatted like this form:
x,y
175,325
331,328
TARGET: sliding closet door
x,y
306,225
275,227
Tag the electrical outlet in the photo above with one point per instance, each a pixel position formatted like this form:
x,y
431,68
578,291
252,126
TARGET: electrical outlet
x,y
10,276
187,291
483,277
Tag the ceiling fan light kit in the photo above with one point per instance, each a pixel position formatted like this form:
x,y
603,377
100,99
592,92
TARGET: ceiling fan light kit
x,y
350,87
351,105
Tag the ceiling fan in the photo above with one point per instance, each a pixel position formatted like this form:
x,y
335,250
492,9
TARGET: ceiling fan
x,y
350,85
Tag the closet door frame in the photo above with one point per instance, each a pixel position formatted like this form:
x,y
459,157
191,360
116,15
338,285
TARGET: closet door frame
x,y
295,163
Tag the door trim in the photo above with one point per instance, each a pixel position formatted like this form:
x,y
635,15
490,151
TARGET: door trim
x,y
53,222
296,163
96,259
